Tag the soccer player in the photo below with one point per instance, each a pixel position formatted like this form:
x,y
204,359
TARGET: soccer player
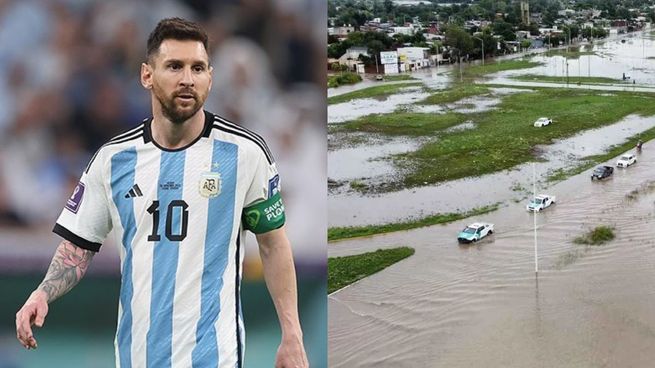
x,y
180,189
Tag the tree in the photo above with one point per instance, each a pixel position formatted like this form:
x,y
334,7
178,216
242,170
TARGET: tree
x,y
457,38
504,29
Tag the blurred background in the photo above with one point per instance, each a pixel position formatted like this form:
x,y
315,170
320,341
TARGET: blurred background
x,y
69,81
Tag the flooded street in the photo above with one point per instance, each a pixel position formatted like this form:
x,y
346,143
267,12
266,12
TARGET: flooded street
x,y
370,162
463,194
480,305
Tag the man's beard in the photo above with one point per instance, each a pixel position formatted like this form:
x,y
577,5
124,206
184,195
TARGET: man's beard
x,y
172,111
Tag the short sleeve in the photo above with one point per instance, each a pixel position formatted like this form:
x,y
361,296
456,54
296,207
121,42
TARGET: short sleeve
x,y
263,210
85,220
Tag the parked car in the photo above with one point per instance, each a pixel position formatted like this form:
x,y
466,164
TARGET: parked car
x,y
540,202
475,232
542,122
602,172
626,160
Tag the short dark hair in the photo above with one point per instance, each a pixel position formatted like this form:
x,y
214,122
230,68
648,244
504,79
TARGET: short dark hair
x,y
177,29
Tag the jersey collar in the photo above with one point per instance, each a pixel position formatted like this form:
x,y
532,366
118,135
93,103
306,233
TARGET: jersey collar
x,y
147,133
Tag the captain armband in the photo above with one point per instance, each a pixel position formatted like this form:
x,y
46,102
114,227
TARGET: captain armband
x,y
264,216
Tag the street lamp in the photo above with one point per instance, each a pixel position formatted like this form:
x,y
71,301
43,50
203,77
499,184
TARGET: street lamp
x,y
481,40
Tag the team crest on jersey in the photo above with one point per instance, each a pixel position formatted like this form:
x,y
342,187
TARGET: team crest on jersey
x,y
210,184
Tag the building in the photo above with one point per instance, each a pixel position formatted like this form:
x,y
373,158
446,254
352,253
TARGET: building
x,y
351,57
341,31
413,58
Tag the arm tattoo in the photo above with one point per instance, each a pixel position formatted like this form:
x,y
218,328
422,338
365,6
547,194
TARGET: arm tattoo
x,y
66,269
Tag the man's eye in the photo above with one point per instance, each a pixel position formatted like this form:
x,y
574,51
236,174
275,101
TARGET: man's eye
x,y
199,68
174,66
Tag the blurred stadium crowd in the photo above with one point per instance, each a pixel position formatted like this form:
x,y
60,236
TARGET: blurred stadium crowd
x,y
69,81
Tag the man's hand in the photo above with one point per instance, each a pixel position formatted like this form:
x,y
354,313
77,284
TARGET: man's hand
x,y
68,266
31,314
291,354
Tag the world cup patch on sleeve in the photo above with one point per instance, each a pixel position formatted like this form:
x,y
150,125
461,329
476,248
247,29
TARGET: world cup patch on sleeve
x,y
73,203
273,186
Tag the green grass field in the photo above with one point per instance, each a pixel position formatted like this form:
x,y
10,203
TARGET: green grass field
x,y
339,233
502,138
572,80
343,271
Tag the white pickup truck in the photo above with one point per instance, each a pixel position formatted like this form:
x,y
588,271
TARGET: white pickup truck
x,y
540,202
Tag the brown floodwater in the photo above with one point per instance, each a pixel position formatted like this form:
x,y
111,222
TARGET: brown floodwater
x,y
481,305
351,208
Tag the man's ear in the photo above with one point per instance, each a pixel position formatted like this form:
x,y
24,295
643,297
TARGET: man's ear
x,y
146,76
211,69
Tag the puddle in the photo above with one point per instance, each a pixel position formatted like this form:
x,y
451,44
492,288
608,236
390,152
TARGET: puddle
x,y
367,160
464,126
469,105
351,110
465,106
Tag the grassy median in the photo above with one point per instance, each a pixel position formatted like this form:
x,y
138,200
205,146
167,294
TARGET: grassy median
x,y
338,233
562,79
398,77
503,137
343,271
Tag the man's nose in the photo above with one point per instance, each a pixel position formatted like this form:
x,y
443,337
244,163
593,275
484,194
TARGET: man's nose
x,y
187,77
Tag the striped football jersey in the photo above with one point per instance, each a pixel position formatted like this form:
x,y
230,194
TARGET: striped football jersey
x,y
179,217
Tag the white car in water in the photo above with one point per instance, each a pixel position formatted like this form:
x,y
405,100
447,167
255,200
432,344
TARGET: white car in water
x,y
541,122
626,160
540,202
475,232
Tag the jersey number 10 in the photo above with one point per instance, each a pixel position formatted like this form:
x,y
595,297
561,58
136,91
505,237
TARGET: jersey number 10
x,y
154,211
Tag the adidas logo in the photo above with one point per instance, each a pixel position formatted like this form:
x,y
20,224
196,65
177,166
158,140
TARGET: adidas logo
x,y
134,192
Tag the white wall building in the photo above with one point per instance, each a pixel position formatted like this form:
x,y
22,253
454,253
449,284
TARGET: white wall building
x,y
390,61
413,58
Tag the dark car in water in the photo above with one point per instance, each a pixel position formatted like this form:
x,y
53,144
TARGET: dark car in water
x,y
602,172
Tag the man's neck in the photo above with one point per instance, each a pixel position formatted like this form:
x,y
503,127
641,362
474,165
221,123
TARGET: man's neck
x,y
173,136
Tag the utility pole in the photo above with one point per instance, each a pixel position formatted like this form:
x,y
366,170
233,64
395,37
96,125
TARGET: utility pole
x,y
377,71
459,61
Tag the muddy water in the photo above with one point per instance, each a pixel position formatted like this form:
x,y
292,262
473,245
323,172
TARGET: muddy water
x,y
368,160
611,59
351,110
481,305
351,209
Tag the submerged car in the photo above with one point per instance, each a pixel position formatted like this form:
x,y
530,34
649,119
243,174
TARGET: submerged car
x,y
540,202
626,160
475,232
602,172
542,122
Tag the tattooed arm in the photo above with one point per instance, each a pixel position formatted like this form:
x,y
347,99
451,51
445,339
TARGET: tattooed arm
x,y
68,266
